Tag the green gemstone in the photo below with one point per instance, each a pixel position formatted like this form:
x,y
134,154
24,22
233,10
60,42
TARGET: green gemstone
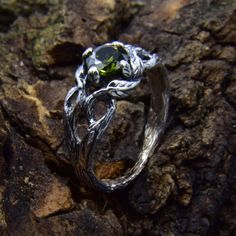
x,y
107,59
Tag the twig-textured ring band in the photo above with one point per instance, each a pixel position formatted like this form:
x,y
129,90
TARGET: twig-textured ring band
x,y
110,72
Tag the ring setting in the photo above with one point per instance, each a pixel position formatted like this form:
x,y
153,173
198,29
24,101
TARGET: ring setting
x,y
113,70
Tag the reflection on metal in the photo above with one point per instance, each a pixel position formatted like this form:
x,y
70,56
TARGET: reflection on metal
x,y
80,99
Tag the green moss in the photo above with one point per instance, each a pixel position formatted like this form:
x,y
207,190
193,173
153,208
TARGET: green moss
x,y
47,39
26,7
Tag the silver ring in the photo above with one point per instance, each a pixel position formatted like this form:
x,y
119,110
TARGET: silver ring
x,y
113,70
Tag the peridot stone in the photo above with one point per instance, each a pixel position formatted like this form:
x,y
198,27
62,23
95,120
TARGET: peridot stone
x,y
107,60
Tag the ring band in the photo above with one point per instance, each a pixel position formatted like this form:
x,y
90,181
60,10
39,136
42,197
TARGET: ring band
x,y
113,70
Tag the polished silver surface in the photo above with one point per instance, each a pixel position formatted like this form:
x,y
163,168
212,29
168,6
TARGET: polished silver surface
x,y
81,100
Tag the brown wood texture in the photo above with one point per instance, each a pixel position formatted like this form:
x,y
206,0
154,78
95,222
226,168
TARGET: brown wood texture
x,y
189,184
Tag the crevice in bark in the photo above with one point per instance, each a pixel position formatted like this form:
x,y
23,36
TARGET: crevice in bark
x,y
6,20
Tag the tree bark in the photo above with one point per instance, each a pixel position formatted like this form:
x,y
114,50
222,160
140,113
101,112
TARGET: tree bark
x,y
189,184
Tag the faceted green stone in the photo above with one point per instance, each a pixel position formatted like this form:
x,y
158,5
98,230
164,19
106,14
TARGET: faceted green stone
x,y
107,59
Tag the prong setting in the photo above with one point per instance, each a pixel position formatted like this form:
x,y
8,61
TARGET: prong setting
x,y
93,74
87,53
118,44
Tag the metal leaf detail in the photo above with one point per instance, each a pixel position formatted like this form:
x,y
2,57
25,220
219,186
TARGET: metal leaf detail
x,y
120,88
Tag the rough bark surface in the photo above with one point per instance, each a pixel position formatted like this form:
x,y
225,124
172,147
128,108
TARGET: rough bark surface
x,y
189,184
